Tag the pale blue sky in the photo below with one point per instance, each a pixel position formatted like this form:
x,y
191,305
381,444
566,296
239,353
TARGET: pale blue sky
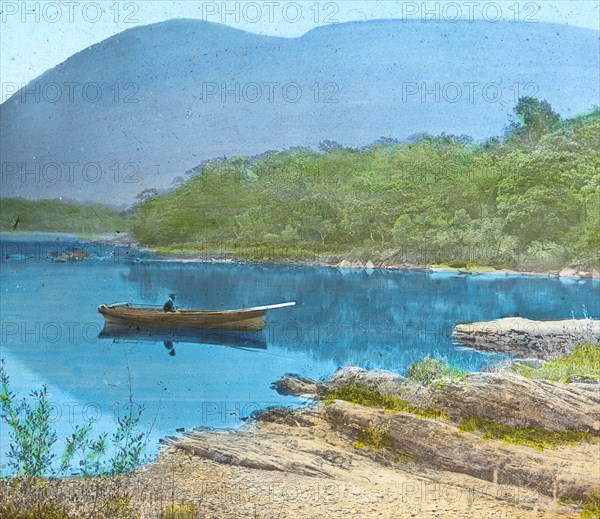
x,y
32,42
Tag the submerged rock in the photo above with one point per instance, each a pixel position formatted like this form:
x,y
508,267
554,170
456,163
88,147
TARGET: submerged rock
x,y
74,254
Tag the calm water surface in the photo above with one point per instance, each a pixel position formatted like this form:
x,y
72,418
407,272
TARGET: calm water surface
x,y
373,319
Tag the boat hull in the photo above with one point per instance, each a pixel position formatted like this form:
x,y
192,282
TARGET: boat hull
x,y
247,320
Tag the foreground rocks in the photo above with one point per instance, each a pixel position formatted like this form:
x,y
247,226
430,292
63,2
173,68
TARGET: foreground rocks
x,y
291,463
528,338
501,397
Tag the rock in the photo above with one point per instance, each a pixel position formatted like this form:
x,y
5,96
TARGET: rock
x,y
320,444
440,445
74,254
369,265
500,397
298,386
595,274
530,363
344,264
528,338
568,273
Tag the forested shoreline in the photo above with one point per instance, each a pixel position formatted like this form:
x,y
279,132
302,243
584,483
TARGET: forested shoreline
x,y
530,199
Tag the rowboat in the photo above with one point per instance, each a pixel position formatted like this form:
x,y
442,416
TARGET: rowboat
x,y
242,320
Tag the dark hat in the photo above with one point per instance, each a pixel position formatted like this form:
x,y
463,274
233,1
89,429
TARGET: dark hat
x,y
172,296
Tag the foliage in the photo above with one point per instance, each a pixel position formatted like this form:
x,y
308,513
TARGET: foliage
x,y
536,118
180,511
129,444
374,438
582,363
433,200
32,438
118,507
39,511
371,397
26,497
591,506
529,436
57,216
434,371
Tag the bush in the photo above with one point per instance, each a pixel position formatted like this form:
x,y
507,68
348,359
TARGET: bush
x,y
582,363
431,369
374,438
32,438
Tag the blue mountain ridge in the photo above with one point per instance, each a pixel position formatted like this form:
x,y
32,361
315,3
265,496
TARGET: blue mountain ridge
x,y
167,97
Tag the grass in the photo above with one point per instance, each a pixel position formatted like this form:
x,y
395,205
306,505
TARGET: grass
x,y
118,507
371,397
374,438
582,363
432,371
45,511
180,511
538,439
591,506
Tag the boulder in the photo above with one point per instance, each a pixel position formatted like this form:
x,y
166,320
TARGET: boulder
x,y
528,338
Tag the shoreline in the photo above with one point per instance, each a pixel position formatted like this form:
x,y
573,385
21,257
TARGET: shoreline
x,y
368,459
124,239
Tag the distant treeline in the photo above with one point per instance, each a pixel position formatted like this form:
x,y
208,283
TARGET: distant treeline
x,y
531,197
17,214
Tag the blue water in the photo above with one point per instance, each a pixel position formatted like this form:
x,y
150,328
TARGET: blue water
x,y
374,319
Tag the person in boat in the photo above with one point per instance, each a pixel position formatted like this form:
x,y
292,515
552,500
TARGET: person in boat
x,y
169,306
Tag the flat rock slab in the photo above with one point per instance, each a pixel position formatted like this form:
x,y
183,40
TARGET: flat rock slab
x,y
527,338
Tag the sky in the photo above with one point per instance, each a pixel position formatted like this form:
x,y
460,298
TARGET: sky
x,y
38,35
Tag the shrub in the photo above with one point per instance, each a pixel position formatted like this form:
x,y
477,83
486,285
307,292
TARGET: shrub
x,y
431,369
32,438
374,438
582,363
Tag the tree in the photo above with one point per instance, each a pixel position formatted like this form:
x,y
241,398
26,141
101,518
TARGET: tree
x,y
329,145
146,194
535,119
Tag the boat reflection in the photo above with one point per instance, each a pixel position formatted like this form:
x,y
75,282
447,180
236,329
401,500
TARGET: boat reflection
x,y
169,337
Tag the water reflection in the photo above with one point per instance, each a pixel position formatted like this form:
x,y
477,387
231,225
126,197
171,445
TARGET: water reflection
x,y
169,337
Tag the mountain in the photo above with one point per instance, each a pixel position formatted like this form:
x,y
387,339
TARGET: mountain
x,y
143,106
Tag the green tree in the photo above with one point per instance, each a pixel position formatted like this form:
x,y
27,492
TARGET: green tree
x,y
536,118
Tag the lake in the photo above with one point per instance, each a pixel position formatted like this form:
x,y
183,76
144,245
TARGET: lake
x,y
373,319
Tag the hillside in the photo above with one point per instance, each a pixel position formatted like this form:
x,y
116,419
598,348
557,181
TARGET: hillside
x,y
152,102
435,200
56,216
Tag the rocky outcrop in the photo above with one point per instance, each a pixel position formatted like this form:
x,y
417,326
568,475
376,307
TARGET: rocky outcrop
x,y
501,397
319,442
527,338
